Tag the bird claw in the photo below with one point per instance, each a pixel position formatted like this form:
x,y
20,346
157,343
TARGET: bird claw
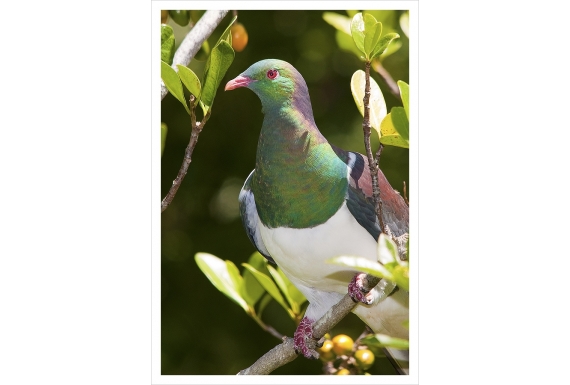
x,y
303,333
356,290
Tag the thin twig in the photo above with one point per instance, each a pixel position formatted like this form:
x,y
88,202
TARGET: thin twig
x,y
372,163
193,41
392,85
196,129
405,194
285,352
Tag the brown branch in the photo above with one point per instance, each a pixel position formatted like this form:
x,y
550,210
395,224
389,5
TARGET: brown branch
x,y
405,194
372,163
285,352
196,130
392,85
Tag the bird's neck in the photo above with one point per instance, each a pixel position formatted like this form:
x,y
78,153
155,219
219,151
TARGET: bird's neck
x,y
299,181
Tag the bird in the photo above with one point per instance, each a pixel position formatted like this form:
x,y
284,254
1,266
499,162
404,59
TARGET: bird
x,y
307,201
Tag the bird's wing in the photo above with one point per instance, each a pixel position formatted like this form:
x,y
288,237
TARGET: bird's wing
x,y
250,218
360,201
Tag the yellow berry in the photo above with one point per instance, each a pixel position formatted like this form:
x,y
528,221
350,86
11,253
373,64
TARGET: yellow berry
x,y
239,37
343,344
364,358
326,353
343,372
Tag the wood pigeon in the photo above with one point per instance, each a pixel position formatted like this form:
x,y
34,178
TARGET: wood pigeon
x,y
308,201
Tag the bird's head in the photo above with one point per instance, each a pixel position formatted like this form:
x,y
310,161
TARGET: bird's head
x,y
277,83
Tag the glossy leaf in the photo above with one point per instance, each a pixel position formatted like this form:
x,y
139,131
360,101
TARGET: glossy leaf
x,y
181,17
167,42
405,23
163,132
383,340
362,264
270,286
377,103
189,79
216,270
294,293
390,134
372,32
172,83
383,44
252,290
405,95
218,63
282,284
357,30
226,35
340,22
345,42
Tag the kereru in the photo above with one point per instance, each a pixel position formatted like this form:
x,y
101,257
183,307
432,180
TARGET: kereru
x,y
308,201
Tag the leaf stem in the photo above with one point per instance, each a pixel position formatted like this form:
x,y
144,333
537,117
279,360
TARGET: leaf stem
x,y
392,86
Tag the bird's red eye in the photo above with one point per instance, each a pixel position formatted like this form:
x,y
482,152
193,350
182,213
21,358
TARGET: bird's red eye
x,y
272,74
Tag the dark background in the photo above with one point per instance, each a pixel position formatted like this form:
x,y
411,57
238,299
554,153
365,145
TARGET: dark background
x,y
204,332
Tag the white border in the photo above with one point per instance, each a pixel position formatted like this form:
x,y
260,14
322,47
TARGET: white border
x,y
157,378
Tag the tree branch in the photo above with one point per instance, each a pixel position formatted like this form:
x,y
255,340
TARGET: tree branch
x,y
372,163
193,41
285,352
196,130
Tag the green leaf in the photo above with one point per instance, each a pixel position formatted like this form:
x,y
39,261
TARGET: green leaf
x,y
357,29
263,303
387,249
377,102
382,340
405,23
226,35
218,63
163,131
295,308
383,44
372,32
216,270
180,17
206,47
345,42
362,264
351,13
190,80
251,289
340,22
405,95
172,83
392,135
294,293
167,42
270,286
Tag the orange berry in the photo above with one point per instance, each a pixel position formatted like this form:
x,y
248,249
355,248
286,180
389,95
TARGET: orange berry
x,y
239,37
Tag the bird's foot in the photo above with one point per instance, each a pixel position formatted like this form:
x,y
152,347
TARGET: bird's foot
x,y
357,292
302,335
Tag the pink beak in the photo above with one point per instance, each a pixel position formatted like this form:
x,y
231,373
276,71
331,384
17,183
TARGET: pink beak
x,y
240,81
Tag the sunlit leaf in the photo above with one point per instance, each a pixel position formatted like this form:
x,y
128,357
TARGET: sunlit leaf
x,y
270,286
383,44
377,102
345,42
163,131
281,283
226,35
362,264
189,79
387,249
405,23
172,83
372,32
351,13
294,293
167,42
390,134
357,30
218,63
216,270
382,340
340,22
405,95
252,289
